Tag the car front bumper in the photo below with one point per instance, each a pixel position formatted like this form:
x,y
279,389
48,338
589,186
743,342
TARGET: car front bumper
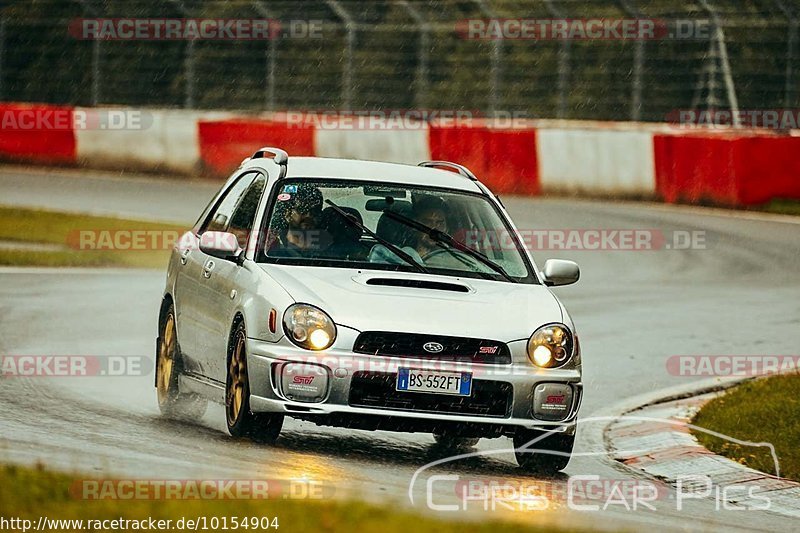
x,y
507,391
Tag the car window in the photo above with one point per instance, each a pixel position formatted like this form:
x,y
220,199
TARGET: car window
x,y
241,221
220,217
306,226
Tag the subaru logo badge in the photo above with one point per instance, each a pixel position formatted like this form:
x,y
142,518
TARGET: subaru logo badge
x,y
432,347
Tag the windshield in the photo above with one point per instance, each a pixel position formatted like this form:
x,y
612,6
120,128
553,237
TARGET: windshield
x,y
382,226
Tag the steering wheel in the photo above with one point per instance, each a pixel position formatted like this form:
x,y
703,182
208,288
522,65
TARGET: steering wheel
x,y
458,255
437,251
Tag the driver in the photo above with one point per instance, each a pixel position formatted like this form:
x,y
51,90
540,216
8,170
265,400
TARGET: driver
x,y
431,211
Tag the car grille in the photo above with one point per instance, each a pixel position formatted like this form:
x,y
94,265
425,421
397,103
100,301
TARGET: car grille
x,y
463,349
376,389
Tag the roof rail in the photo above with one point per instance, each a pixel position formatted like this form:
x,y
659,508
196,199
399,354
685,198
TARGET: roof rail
x,y
464,171
280,157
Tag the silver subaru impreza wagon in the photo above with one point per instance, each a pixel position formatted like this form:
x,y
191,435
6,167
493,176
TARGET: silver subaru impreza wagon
x,y
373,296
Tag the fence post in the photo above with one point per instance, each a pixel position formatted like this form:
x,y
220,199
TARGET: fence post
x,y
727,76
95,96
271,53
188,62
96,72
636,92
423,51
563,63
638,65
190,76
495,73
791,46
2,54
347,74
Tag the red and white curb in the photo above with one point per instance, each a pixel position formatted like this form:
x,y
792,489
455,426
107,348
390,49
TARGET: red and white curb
x,y
656,439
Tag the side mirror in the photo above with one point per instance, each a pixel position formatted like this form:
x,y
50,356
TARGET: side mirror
x,y
560,272
221,245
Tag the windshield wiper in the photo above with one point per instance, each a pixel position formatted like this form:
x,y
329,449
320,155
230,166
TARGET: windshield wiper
x,y
393,248
447,239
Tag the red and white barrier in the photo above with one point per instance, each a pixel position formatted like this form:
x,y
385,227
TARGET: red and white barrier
x,y
730,169
153,140
596,161
616,159
398,146
223,144
37,133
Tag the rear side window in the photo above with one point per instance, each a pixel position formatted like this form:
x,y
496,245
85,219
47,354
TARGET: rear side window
x,y
221,215
241,222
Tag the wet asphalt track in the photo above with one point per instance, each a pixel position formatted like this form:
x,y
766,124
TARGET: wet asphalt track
x,y
740,295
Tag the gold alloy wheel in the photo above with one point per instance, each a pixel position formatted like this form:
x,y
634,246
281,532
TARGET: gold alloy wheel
x,y
237,374
166,360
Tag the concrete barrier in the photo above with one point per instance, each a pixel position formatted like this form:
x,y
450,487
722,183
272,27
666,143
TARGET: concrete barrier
x,y
161,141
37,133
504,159
736,168
727,169
597,161
223,144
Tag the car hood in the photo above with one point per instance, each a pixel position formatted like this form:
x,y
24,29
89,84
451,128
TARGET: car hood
x,y
490,309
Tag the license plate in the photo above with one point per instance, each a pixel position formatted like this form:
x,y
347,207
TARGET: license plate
x,y
436,381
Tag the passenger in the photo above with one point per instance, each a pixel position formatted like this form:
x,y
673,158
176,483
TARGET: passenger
x,y
298,220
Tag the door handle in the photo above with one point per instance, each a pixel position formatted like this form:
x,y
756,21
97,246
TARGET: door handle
x,y
208,268
185,255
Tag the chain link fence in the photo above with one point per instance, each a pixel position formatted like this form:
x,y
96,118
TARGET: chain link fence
x,y
410,54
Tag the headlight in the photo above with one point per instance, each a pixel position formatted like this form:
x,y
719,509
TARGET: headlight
x,y
309,327
550,346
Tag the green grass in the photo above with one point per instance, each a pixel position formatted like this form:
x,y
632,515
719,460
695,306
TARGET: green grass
x,y
63,232
29,493
782,207
763,410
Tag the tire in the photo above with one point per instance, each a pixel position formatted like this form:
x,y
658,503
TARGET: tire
x,y
556,450
171,402
241,421
454,442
